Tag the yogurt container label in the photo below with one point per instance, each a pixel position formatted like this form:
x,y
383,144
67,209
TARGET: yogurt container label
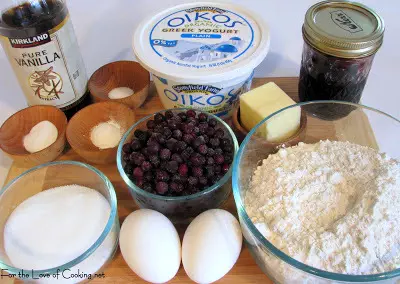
x,y
217,99
202,54
201,37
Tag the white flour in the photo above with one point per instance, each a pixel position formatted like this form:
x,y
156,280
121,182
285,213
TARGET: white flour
x,y
332,205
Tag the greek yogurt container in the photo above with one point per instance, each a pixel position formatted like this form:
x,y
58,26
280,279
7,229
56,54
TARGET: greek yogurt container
x,y
202,55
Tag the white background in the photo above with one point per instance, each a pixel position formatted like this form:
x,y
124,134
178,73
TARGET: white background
x,y
104,30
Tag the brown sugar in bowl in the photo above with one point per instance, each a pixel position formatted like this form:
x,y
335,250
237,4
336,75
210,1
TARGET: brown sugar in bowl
x,y
82,123
120,74
14,129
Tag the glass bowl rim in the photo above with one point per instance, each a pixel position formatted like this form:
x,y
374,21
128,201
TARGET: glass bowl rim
x,y
268,245
209,189
100,239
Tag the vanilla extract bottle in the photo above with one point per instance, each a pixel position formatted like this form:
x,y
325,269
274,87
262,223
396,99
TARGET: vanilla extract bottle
x,y
40,43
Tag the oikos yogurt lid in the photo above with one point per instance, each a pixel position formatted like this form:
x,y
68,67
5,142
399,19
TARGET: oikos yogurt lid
x,y
202,42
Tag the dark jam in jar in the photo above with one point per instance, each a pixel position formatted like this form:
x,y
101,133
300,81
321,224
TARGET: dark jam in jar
x,y
340,41
325,77
40,43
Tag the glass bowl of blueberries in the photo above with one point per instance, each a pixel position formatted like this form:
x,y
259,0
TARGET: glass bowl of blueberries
x,y
178,162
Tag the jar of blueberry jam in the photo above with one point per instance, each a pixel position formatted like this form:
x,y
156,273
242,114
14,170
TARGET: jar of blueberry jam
x,y
340,41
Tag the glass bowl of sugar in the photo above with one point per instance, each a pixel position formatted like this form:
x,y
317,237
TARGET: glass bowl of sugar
x,y
324,210
59,222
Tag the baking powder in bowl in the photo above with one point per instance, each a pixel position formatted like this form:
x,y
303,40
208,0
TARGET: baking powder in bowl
x,y
331,205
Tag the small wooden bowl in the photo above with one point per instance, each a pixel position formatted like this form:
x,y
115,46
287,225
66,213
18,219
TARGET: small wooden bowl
x,y
82,123
242,132
120,74
20,124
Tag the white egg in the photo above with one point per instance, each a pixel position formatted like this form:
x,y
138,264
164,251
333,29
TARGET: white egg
x,y
150,245
211,245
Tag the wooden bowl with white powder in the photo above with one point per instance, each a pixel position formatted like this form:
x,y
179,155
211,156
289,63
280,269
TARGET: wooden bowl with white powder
x,y
95,131
34,135
122,81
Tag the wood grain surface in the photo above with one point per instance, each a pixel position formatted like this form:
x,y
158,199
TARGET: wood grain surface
x,y
244,271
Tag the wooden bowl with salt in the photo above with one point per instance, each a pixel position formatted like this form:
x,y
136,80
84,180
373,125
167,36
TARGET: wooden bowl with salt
x,y
97,124
124,82
17,126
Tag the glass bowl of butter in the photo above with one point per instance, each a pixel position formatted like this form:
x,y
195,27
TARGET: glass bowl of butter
x,y
323,210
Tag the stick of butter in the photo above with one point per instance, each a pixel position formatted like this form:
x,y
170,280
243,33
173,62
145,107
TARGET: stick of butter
x,y
260,102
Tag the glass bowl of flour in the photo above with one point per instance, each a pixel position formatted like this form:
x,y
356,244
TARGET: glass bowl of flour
x,y
59,223
327,209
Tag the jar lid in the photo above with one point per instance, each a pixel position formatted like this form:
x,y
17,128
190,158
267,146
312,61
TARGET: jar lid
x,y
343,29
202,42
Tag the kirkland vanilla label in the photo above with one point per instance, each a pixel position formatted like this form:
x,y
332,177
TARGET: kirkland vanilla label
x,y
48,66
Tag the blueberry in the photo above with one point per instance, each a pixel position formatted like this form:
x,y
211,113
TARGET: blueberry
x,y
167,133
162,175
155,161
203,128
197,171
150,124
169,114
183,169
193,180
212,122
210,131
225,168
137,158
147,187
158,129
146,166
165,154
217,169
202,117
202,149
172,166
127,148
188,138
153,147
183,116
228,158
137,172
161,187
219,159
197,159
219,133
180,146
225,142
187,128
171,143
141,135
178,178
209,171
176,157
128,168
210,152
214,142
148,176
191,113
203,180
187,153
198,141
177,134
175,187
159,118
136,145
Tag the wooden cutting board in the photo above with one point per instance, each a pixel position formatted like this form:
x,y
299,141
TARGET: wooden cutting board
x,y
245,270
